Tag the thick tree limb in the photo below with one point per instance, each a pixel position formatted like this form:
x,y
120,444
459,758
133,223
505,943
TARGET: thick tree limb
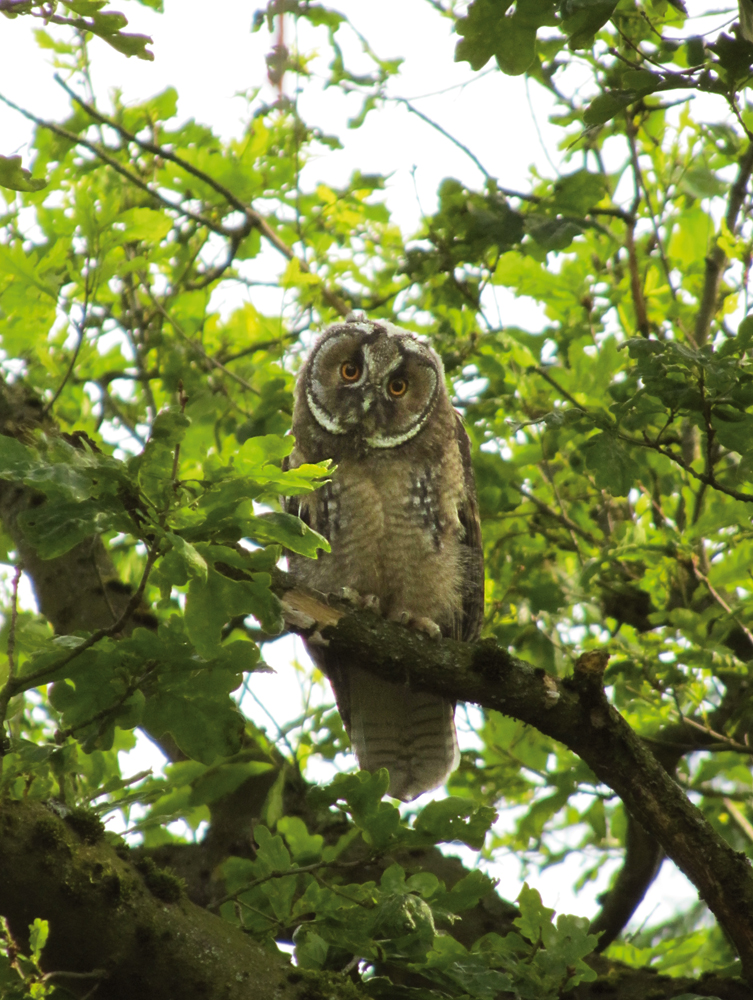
x,y
574,711
643,859
148,940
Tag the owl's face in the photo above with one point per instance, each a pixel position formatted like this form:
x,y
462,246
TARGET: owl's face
x,y
372,380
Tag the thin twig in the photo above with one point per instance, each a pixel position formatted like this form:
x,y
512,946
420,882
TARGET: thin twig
x,y
124,784
727,742
254,219
703,477
652,215
263,345
737,815
636,288
62,974
304,869
548,378
102,587
74,358
120,169
181,333
165,154
27,681
535,120
445,133
720,600
281,734
563,519
573,535
13,622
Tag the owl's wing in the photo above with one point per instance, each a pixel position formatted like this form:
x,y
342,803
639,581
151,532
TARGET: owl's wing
x,y
473,583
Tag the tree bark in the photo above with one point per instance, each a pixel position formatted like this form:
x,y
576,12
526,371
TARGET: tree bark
x,y
139,931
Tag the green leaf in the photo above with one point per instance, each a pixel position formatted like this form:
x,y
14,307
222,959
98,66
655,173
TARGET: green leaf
x,y
203,725
272,855
581,19
144,224
379,821
38,933
188,560
606,106
487,31
16,460
456,819
306,847
55,527
534,916
642,81
467,892
576,193
286,529
127,43
224,779
612,465
213,601
85,7
690,237
553,234
16,177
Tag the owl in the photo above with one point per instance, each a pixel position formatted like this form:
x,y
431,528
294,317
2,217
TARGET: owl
x,y
401,517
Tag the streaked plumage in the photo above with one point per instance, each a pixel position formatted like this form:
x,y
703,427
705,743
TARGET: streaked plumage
x,y
401,516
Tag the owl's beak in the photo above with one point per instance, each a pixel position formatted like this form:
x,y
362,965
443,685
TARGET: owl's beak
x,y
369,415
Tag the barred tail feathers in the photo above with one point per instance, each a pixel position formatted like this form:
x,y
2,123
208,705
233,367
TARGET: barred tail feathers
x,y
411,733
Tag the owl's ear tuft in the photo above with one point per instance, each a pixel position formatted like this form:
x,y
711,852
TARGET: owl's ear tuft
x,y
356,317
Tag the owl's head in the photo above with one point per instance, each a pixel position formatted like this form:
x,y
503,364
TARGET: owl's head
x,y
372,380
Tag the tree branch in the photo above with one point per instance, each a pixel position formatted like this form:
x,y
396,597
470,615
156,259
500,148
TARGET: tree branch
x,y
574,711
104,914
253,219
704,477
716,261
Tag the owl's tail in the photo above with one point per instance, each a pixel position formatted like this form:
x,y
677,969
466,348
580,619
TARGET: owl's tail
x,y
411,733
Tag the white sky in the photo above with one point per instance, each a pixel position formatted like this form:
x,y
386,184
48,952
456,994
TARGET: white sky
x,y
211,58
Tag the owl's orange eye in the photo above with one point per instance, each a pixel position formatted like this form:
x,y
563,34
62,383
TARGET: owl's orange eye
x,y
398,386
350,371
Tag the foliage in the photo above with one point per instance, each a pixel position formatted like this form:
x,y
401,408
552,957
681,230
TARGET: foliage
x,y
613,449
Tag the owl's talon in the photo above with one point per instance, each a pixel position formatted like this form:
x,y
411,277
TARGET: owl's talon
x,y
350,595
421,624
363,602
429,627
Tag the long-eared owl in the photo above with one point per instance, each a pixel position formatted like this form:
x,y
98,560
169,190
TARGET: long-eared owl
x,y
401,517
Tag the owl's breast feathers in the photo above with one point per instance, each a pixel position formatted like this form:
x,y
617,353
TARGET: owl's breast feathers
x,y
395,532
